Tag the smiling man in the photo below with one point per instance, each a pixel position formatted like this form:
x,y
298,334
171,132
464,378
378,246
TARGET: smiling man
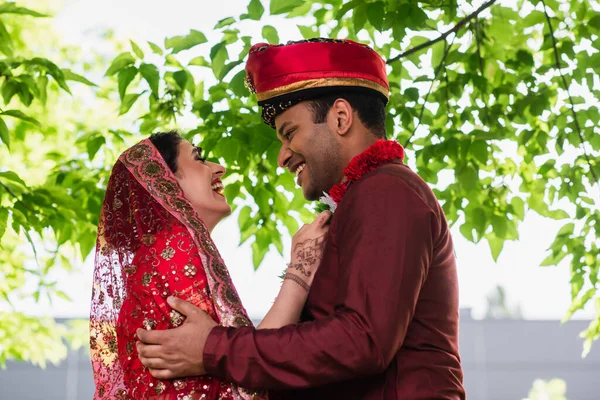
x,y
381,320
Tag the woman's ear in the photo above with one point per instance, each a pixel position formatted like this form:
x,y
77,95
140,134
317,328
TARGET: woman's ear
x,y
342,116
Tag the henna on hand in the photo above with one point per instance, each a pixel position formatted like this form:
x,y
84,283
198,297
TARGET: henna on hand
x,y
309,252
298,280
300,268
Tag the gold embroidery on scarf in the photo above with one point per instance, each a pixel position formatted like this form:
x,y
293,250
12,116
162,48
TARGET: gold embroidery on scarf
x,y
168,253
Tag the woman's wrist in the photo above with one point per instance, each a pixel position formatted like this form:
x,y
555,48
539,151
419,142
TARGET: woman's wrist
x,y
293,280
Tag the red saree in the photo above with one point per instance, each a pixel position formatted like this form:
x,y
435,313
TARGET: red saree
x,y
152,244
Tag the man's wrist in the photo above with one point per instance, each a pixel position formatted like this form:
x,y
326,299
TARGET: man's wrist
x,y
210,355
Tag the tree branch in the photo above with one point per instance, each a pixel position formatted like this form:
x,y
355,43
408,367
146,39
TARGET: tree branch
x,y
444,35
435,75
566,87
9,191
481,71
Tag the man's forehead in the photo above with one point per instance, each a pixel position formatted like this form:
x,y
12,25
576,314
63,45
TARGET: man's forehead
x,y
290,116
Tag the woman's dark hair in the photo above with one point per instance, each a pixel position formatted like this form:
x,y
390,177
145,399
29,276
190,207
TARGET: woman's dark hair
x,y
167,144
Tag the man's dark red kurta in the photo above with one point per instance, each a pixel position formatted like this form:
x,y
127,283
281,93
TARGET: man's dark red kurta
x,y
381,321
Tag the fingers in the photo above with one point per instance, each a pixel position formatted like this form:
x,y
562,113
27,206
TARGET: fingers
x,y
182,306
162,374
323,218
154,363
149,351
152,337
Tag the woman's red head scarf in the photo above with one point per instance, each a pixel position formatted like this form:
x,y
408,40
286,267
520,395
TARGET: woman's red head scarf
x,y
143,198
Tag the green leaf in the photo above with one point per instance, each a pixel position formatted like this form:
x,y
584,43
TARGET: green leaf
x,y
500,226
283,6
468,178
376,14
553,259
20,115
11,8
228,68
308,32
52,70
128,102
525,57
533,18
566,230
359,18
346,8
290,223
6,42
151,74
579,302
155,48
87,241
180,43
255,10
437,54
3,221
13,177
496,246
126,75
94,144
417,17
479,149
123,60
224,22
412,94
72,76
466,230
557,214
594,22
4,134
181,78
199,61
9,89
42,87
270,34
258,253
137,50
237,86
247,233
62,295
244,220
595,142
219,55
518,207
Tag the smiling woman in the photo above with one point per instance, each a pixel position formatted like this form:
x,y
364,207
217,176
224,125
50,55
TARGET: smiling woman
x,y
199,179
154,241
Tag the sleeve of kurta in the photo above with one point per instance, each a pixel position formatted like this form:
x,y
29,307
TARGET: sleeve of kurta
x,y
385,245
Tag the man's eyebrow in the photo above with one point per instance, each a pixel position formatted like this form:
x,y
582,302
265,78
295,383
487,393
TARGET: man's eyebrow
x,y
283,126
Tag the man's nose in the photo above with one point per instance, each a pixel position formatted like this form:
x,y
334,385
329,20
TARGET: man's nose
x,y
285,154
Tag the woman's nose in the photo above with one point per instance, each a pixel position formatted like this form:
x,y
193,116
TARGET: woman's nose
x,y
218,170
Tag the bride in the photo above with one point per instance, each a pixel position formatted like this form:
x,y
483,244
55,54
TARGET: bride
x,y
154,241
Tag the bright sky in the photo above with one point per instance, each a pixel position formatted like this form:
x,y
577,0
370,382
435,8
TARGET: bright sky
x,y
541,293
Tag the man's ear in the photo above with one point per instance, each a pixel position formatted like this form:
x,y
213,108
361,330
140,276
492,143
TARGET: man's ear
x,y
341,116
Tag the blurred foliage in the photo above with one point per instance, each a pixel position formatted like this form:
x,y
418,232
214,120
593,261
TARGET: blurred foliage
x,y
554,389
499,98
53,122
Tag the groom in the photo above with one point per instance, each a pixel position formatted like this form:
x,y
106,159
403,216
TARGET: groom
x,y
381,320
